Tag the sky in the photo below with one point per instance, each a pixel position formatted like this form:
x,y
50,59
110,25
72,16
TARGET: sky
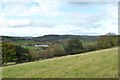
x,y
40,17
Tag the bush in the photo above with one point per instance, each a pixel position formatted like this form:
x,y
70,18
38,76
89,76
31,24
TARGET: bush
x,y
88,48
73,46
58,50
107,41
55,51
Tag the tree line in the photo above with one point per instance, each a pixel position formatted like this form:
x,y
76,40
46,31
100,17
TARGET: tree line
x,y
16,53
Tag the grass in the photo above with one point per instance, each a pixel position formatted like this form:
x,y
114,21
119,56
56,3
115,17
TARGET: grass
x,y
31,47
96,64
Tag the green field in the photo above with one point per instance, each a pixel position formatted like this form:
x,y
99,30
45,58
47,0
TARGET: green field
x,y
96,64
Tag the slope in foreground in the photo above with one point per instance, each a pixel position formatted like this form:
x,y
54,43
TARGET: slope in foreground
x,y
97,64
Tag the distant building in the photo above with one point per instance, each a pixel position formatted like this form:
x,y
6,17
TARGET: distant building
x,y
41,45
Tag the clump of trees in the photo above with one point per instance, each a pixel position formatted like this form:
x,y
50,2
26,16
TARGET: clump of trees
x,y
55,50
107,41
73,46
91,47
14,53
8,52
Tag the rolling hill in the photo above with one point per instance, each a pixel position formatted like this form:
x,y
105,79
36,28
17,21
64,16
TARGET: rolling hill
x,y
50,38
96,64
60,38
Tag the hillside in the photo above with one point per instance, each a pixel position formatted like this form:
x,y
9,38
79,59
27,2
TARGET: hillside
x,y
96,64
50,38
60,38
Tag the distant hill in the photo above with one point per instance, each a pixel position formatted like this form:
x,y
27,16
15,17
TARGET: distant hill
x,y
12,39
60,38
51,38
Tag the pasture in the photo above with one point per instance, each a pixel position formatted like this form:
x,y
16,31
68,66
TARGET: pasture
x,y
96,64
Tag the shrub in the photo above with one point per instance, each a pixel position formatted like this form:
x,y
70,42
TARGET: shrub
x,y
107,41
55,50
88,48
73,46
58,50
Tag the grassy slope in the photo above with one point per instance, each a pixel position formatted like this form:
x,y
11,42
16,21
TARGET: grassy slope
x,y
103,63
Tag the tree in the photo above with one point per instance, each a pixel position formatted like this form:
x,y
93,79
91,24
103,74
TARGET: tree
x,y
22,54
104,42
111,34
58,50
14,53
73,46
107,41
8,52
90,47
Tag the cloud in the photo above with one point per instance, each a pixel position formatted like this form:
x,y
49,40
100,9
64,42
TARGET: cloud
x,y
62,0
19,23
2,20
44,8
26,19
